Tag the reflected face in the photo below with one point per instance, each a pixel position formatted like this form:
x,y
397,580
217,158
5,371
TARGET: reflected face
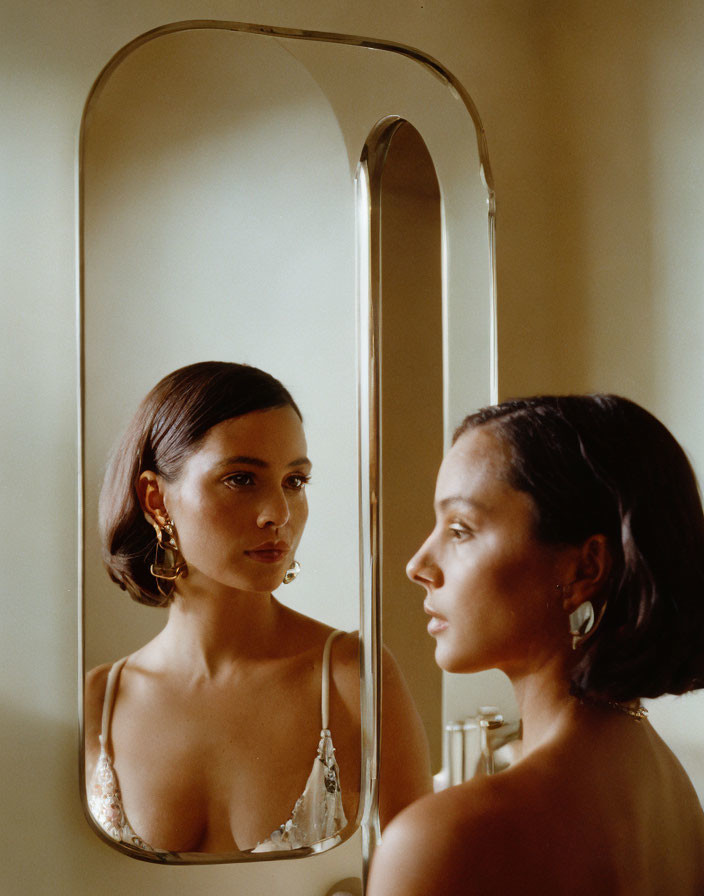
x,y
491,585
239,503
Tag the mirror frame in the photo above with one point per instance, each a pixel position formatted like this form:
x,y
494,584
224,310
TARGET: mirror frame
x,y
368,187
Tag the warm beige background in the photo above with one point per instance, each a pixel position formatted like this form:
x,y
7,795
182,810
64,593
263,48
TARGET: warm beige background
x,y
594,118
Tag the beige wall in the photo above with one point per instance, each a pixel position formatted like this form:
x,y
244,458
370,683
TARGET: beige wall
x,y
615,301
596,133
594,120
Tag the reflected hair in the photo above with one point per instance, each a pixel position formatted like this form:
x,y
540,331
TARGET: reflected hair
x,y
601,464
169,426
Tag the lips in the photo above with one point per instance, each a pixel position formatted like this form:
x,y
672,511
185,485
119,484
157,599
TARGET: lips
x,y
437,623
269,551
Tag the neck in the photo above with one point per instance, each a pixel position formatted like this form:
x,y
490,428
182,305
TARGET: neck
x,y
549,711
211,628
545,703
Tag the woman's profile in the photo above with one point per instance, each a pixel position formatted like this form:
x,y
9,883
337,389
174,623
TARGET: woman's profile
x,y
237,728
568,551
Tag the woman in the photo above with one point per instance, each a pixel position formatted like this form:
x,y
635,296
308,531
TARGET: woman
x,y
203,740
569,552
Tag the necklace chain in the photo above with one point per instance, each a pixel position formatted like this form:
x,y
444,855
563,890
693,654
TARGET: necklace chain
x,y
634,709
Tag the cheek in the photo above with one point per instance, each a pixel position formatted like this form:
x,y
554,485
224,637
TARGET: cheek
x,y
516,559
493,583
299,514
202,523
523,584
508,575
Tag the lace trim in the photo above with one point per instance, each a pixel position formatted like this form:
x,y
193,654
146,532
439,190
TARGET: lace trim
x,y
318,813
105,804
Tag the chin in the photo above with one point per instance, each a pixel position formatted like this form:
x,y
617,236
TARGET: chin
x,y
457,661
445,658
264,583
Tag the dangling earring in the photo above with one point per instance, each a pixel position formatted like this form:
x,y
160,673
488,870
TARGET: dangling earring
x,y
168,562
582,622
292,572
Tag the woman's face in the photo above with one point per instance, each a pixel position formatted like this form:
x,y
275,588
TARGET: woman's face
x,y
239,503
491,585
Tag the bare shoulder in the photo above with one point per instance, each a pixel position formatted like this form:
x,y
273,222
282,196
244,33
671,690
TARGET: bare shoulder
x,y
345,650
444,841
392,677
301,634
404,770
95,684
344,667
94,695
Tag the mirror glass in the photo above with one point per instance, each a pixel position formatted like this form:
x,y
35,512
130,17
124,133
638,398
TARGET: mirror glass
x,y
218,221
219,224
411,406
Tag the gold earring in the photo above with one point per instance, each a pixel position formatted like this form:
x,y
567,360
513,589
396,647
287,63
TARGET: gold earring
x,y
168,562
292,572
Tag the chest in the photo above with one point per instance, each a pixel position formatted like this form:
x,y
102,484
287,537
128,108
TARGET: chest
x,y
219,770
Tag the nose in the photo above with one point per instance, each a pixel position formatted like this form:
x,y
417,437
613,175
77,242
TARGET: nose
x,y
274,510
423,569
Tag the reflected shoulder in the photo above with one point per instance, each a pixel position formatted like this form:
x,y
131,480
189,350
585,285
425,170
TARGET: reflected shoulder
x,y
345,649
96,682
390,670
307,632
404,770
344,667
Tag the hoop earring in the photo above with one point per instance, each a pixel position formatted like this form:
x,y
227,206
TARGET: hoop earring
x,y
168,562
292,572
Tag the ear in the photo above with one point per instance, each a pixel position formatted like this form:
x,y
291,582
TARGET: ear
x,y
151,498
592,569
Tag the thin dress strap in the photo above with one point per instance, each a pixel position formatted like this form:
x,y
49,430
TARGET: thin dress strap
x,y
104,799
109,701
325,689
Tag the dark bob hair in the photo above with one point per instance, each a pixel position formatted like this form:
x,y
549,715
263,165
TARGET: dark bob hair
x,y
600,464
168,427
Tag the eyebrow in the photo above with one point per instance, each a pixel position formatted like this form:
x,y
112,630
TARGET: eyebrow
x,y
258,462
461,499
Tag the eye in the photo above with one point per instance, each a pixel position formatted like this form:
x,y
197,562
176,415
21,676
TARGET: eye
x,y
459,531
297,481
239,480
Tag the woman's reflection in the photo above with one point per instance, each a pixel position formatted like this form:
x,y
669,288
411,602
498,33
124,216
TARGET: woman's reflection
x,y
203,739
